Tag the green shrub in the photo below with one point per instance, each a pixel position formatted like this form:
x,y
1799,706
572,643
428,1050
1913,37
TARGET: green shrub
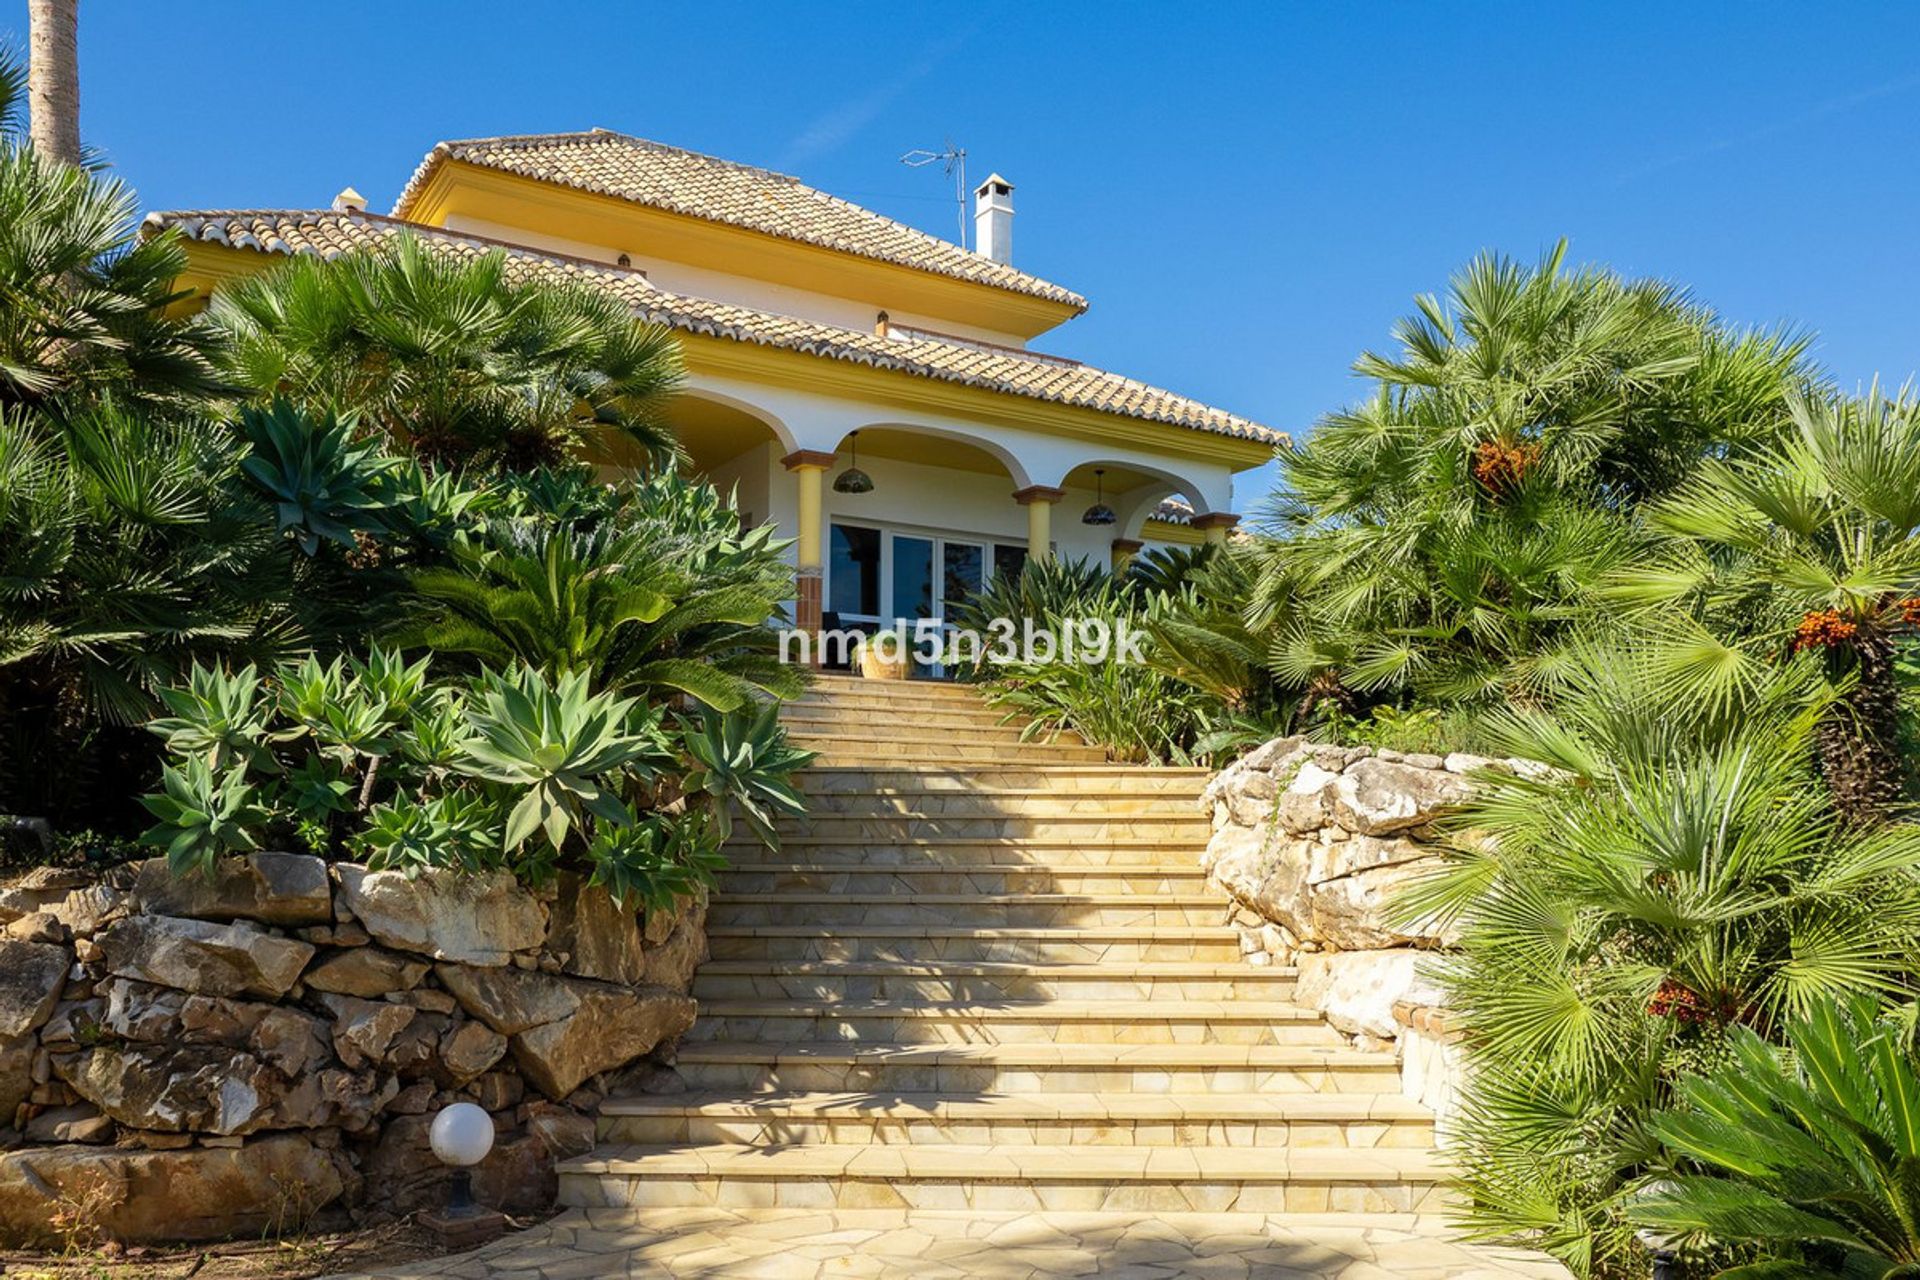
x,y
654,593
1808,1153
511,770
452,359
1444,538
1681,876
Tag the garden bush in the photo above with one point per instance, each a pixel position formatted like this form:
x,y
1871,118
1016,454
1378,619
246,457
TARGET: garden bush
x,y
374,759
1680,879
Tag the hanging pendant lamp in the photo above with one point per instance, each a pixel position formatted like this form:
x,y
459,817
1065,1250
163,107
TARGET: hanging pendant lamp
x,y
1099,512
853,479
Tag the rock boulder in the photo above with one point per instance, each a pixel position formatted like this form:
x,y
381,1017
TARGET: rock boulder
x,y
474,920
563,1030
273,888
32,976
200,956
196,1193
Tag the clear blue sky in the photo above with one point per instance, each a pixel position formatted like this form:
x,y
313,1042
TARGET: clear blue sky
x,y
1250,194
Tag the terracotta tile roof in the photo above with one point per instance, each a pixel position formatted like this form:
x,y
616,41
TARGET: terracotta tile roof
x,y
1172,511
329,233
702,186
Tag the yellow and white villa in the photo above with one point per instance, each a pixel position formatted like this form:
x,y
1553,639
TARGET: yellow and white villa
x,y
806,319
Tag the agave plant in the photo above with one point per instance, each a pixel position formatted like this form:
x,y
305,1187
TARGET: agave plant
x,y
1811,1154
656,860
218,718
454,830
560,746
742,760
323,483
203,815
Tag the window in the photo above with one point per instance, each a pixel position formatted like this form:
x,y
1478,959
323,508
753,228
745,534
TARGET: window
x,y
854,569
1009,561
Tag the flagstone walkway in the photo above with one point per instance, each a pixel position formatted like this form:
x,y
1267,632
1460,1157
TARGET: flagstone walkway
x,y
808,1244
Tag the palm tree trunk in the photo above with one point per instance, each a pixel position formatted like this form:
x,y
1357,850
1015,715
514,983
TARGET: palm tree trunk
x,y
53,78
1860,741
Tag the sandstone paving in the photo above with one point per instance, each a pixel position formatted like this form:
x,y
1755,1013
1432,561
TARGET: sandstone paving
x,y
983,1015
805,1244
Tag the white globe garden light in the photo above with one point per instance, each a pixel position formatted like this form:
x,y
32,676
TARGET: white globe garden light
x,y
461,1137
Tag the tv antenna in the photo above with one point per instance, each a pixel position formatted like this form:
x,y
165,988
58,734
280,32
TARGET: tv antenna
x,y
953,161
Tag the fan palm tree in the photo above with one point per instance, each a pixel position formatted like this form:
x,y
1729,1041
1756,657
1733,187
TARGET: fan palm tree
x,y
1813,1155
13,91
1810,544
124,556
83,298
1681,875
1443,537
454,357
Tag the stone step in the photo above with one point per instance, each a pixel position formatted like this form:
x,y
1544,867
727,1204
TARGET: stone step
x,y
840,750
1110,1022
1352,1120
981,910
1028,803
887,726
894,828
767,1066
1032,1177
1118,944
833,851
827,686
965,980
836,717
982,878
1060,779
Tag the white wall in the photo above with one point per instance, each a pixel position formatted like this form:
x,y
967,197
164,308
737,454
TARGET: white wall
x,y
810,420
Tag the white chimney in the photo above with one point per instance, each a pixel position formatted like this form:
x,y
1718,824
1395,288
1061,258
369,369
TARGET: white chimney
x,y
349,201
993,219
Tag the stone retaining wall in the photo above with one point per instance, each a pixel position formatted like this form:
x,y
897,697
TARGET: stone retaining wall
x,y
1313,842
189,1059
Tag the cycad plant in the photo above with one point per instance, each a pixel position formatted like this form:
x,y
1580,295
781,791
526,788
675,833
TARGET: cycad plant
x,y
1808,1154
1810,545
1442,539
628,605
1679,873
83,296
455,357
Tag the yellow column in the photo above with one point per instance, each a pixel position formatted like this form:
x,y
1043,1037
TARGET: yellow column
x,y
1038,499
1124,550
809,468
1215,526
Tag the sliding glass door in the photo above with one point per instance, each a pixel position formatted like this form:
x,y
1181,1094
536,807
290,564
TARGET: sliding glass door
x,y
881,578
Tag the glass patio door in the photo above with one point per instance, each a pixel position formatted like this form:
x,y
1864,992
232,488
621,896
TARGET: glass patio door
x,y
881,577
930,577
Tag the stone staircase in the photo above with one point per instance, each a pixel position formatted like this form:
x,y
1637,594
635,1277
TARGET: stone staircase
x,y
985,974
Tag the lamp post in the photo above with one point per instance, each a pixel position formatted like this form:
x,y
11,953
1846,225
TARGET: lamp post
x,y
461,1137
